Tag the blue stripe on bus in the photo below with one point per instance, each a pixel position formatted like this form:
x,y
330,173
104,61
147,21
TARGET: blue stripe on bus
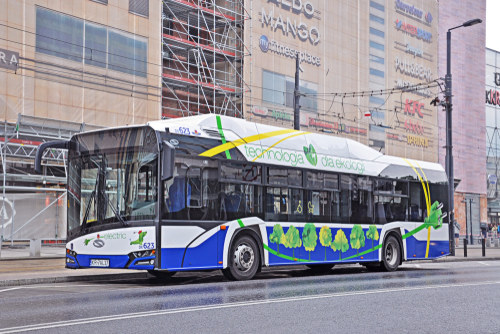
x,y
115,261
205,256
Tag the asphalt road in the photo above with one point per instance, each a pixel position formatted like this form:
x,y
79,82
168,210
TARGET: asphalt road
x,y
419,298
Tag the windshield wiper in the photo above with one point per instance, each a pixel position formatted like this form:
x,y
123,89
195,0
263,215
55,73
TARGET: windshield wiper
x,y
117,215
87,211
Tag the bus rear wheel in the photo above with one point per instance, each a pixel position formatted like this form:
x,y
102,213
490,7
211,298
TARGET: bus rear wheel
x,y
244,259
391,254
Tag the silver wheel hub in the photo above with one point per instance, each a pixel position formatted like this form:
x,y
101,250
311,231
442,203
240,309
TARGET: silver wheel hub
x,y
391,254
244,257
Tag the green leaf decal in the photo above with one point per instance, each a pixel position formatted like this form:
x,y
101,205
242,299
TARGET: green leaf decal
x,y
311,155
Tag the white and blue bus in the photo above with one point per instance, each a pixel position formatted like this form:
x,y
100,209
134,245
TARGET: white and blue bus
x,y
213,192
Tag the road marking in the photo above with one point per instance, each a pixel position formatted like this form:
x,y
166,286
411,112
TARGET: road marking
x,y
483,263
127,316
10,289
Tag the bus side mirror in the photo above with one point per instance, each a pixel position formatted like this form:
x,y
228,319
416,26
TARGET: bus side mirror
x,y
167,161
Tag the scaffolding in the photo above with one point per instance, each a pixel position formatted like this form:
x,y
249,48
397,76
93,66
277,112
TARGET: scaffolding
x,y
24,193
203,53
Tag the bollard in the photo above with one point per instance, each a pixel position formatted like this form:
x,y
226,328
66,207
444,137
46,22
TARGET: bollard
x,y
484,246
35,247
465,247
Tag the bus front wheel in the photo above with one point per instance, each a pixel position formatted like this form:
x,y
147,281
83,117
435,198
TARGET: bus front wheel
x,y
244,259
391,254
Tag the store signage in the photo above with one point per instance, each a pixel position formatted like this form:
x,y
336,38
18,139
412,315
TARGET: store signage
x,y
417,141
281,115
414,51
413,69
414,107
289,26
497,79
271,45
425,92
428,17
493,97
258,110
9,59
335,126
413,127
414,31
409,9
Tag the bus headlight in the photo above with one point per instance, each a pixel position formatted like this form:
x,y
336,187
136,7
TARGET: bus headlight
x,y
145,253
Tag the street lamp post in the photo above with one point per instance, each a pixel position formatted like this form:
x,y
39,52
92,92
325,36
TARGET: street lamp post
x,y
449,154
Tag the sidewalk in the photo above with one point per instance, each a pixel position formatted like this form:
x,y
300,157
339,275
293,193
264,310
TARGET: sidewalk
x,y
17,268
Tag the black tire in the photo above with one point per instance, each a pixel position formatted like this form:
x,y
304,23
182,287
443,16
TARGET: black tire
x,y
243,259
161,274
320,268
391,254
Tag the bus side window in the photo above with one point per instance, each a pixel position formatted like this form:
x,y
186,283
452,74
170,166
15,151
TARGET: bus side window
x,y
416,209
277,204
194,200
345,198
175,192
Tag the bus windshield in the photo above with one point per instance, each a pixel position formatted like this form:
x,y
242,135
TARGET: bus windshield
x,y
115,182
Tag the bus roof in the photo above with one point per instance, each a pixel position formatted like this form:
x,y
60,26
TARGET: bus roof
x,y
275,145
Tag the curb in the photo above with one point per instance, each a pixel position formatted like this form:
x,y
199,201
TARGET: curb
x,y
145,275
27,258
66,279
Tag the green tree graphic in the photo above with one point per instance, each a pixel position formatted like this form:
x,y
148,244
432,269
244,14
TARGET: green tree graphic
x,y
340,243
357,238
278,236
292,239
372,233
309,238
325,237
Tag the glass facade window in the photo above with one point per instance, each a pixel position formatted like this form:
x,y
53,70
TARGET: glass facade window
x,y
59,35
377,73
377,46
377,32
127,54
378,6
67,37
377,19
377,100
377,59
140,7
278,89
96,41
273,87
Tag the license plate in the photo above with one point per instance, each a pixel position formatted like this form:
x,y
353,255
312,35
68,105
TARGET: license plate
x,y
99,262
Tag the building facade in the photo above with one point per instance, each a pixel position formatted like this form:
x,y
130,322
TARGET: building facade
x,y
492,101
469,133
368,71
68,66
